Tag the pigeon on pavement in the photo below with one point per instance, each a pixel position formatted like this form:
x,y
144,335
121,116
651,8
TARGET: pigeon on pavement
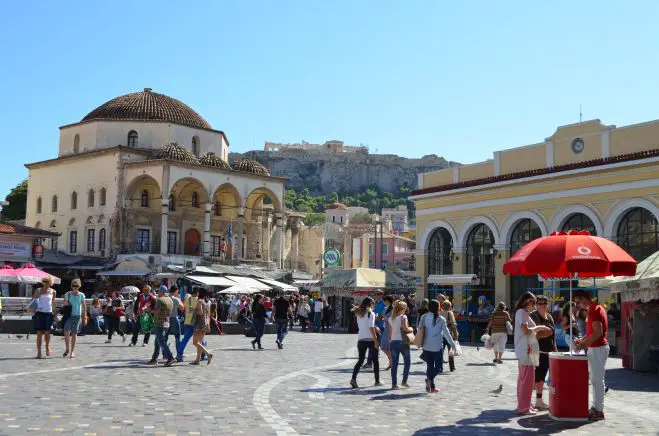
x,y
498,390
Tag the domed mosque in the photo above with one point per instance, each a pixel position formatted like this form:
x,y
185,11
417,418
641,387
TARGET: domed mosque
x,y
160,171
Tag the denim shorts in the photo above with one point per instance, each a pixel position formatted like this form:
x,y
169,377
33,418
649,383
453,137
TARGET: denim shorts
x,y
43,321
72,324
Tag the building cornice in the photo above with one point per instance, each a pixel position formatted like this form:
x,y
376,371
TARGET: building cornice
x,y
145,121
170,162
85,154
649,156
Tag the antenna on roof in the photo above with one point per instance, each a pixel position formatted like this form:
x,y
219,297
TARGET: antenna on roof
x,y
580,114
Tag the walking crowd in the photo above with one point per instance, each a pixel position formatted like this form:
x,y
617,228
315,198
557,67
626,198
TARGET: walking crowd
x,y
383,324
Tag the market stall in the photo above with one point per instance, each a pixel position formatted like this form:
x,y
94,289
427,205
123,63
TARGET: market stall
x,y
639,296
345,287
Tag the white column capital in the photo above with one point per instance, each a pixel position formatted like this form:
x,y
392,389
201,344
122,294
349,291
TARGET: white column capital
x,y
208,207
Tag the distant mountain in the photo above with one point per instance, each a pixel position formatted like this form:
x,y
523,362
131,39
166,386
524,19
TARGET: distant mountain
x,y
323,173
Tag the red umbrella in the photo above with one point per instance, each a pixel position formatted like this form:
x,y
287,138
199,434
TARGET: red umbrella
x,y
571,254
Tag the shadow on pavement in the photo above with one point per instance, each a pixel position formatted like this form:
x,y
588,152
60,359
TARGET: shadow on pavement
x,y
399,397
471,430
362,391
544,425
322,390
498,416
622,379
481,364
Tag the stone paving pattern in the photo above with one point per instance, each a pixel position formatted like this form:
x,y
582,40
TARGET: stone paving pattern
x,y
302,389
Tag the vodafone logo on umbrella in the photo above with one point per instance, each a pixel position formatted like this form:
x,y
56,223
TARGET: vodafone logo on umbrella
x,y
584,251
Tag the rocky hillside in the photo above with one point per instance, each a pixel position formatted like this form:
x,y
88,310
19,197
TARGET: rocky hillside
x,y
347,172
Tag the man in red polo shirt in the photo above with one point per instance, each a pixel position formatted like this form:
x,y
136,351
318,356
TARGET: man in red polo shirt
x,y
597,326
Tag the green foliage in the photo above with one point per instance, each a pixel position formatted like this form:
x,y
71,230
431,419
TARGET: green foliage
x,y
313,219
17,199
368,196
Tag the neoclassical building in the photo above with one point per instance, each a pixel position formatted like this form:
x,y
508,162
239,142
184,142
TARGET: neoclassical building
x,y
144,173
586,176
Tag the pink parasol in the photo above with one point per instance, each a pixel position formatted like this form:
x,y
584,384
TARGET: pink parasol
x,y
7,274
31,275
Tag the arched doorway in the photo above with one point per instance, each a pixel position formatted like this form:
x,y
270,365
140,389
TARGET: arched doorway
x,y
480,261
524,232
638,233
439,261
579,221
192,243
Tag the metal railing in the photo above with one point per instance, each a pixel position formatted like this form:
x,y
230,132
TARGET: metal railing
x,y
18,306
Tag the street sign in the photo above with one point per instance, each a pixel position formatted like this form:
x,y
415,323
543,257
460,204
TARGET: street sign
x,y
332,257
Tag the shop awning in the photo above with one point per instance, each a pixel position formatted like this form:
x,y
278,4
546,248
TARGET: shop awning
x,y
452,279
279,285
305,283
239,290
211,280
116,273
250,283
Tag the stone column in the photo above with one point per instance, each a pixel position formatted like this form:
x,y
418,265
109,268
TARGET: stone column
x,y
207,229
164,225
239,241
279,239
459,267
268,248
501,280
421,257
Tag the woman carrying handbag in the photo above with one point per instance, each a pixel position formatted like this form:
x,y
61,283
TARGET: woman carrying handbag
x,y
401,337
431,333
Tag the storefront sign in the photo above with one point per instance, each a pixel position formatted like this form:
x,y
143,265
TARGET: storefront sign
x,y
37,251
15,249
332,257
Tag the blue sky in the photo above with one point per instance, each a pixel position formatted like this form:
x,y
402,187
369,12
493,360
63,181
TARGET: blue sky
x,y
457,79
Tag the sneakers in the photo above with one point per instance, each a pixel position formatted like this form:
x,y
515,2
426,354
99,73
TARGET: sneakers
x,y
394,387
353,384
152,363
434,391
367,366
595,415
169,362
377,383
405,385
541,405
109,341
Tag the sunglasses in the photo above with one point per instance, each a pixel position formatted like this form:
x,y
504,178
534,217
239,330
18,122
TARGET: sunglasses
x,y
542,304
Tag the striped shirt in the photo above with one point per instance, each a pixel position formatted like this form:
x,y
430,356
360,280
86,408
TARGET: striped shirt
x,y
498,319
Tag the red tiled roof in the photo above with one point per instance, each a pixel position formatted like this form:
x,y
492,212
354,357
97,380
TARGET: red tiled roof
x,y
540,171
13,229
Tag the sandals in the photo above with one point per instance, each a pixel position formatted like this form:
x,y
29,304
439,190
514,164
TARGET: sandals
x,y
210,357
66,353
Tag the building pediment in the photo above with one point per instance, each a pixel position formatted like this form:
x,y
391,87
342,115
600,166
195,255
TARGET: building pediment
x,y
575,130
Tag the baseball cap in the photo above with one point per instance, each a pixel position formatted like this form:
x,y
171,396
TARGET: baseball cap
x,y
162,288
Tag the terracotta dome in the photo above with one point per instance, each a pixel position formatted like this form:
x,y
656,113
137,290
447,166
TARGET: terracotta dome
x,y
250,166
213,160
148,106
173,151
337,206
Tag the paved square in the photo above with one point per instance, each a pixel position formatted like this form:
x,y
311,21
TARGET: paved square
x,y
302,389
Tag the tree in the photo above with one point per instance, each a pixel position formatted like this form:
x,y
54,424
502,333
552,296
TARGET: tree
x,y
313,219
17,199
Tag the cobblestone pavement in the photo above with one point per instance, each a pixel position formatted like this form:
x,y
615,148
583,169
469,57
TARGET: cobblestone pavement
x,y
302,389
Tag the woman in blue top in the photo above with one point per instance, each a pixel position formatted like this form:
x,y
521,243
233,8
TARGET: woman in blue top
x,y
76,300
433,330
385,339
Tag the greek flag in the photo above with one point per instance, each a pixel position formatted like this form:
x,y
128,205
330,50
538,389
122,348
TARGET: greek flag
x,y
230,235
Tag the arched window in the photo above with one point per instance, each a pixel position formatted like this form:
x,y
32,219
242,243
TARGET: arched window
x,y
90,198
101,239
195,199
439,253
638,233
76,143
74,200
195,145
103,197
38,204
172,203
480,261
53,205
580,221
525,231
132,139
144,199
218,208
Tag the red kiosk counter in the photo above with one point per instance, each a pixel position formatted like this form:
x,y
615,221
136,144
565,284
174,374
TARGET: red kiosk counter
x,y
568,393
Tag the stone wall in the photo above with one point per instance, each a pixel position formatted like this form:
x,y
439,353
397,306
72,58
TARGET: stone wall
x,y
323,173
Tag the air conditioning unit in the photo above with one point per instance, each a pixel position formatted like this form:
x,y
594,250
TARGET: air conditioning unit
x,y
153,261
190,265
